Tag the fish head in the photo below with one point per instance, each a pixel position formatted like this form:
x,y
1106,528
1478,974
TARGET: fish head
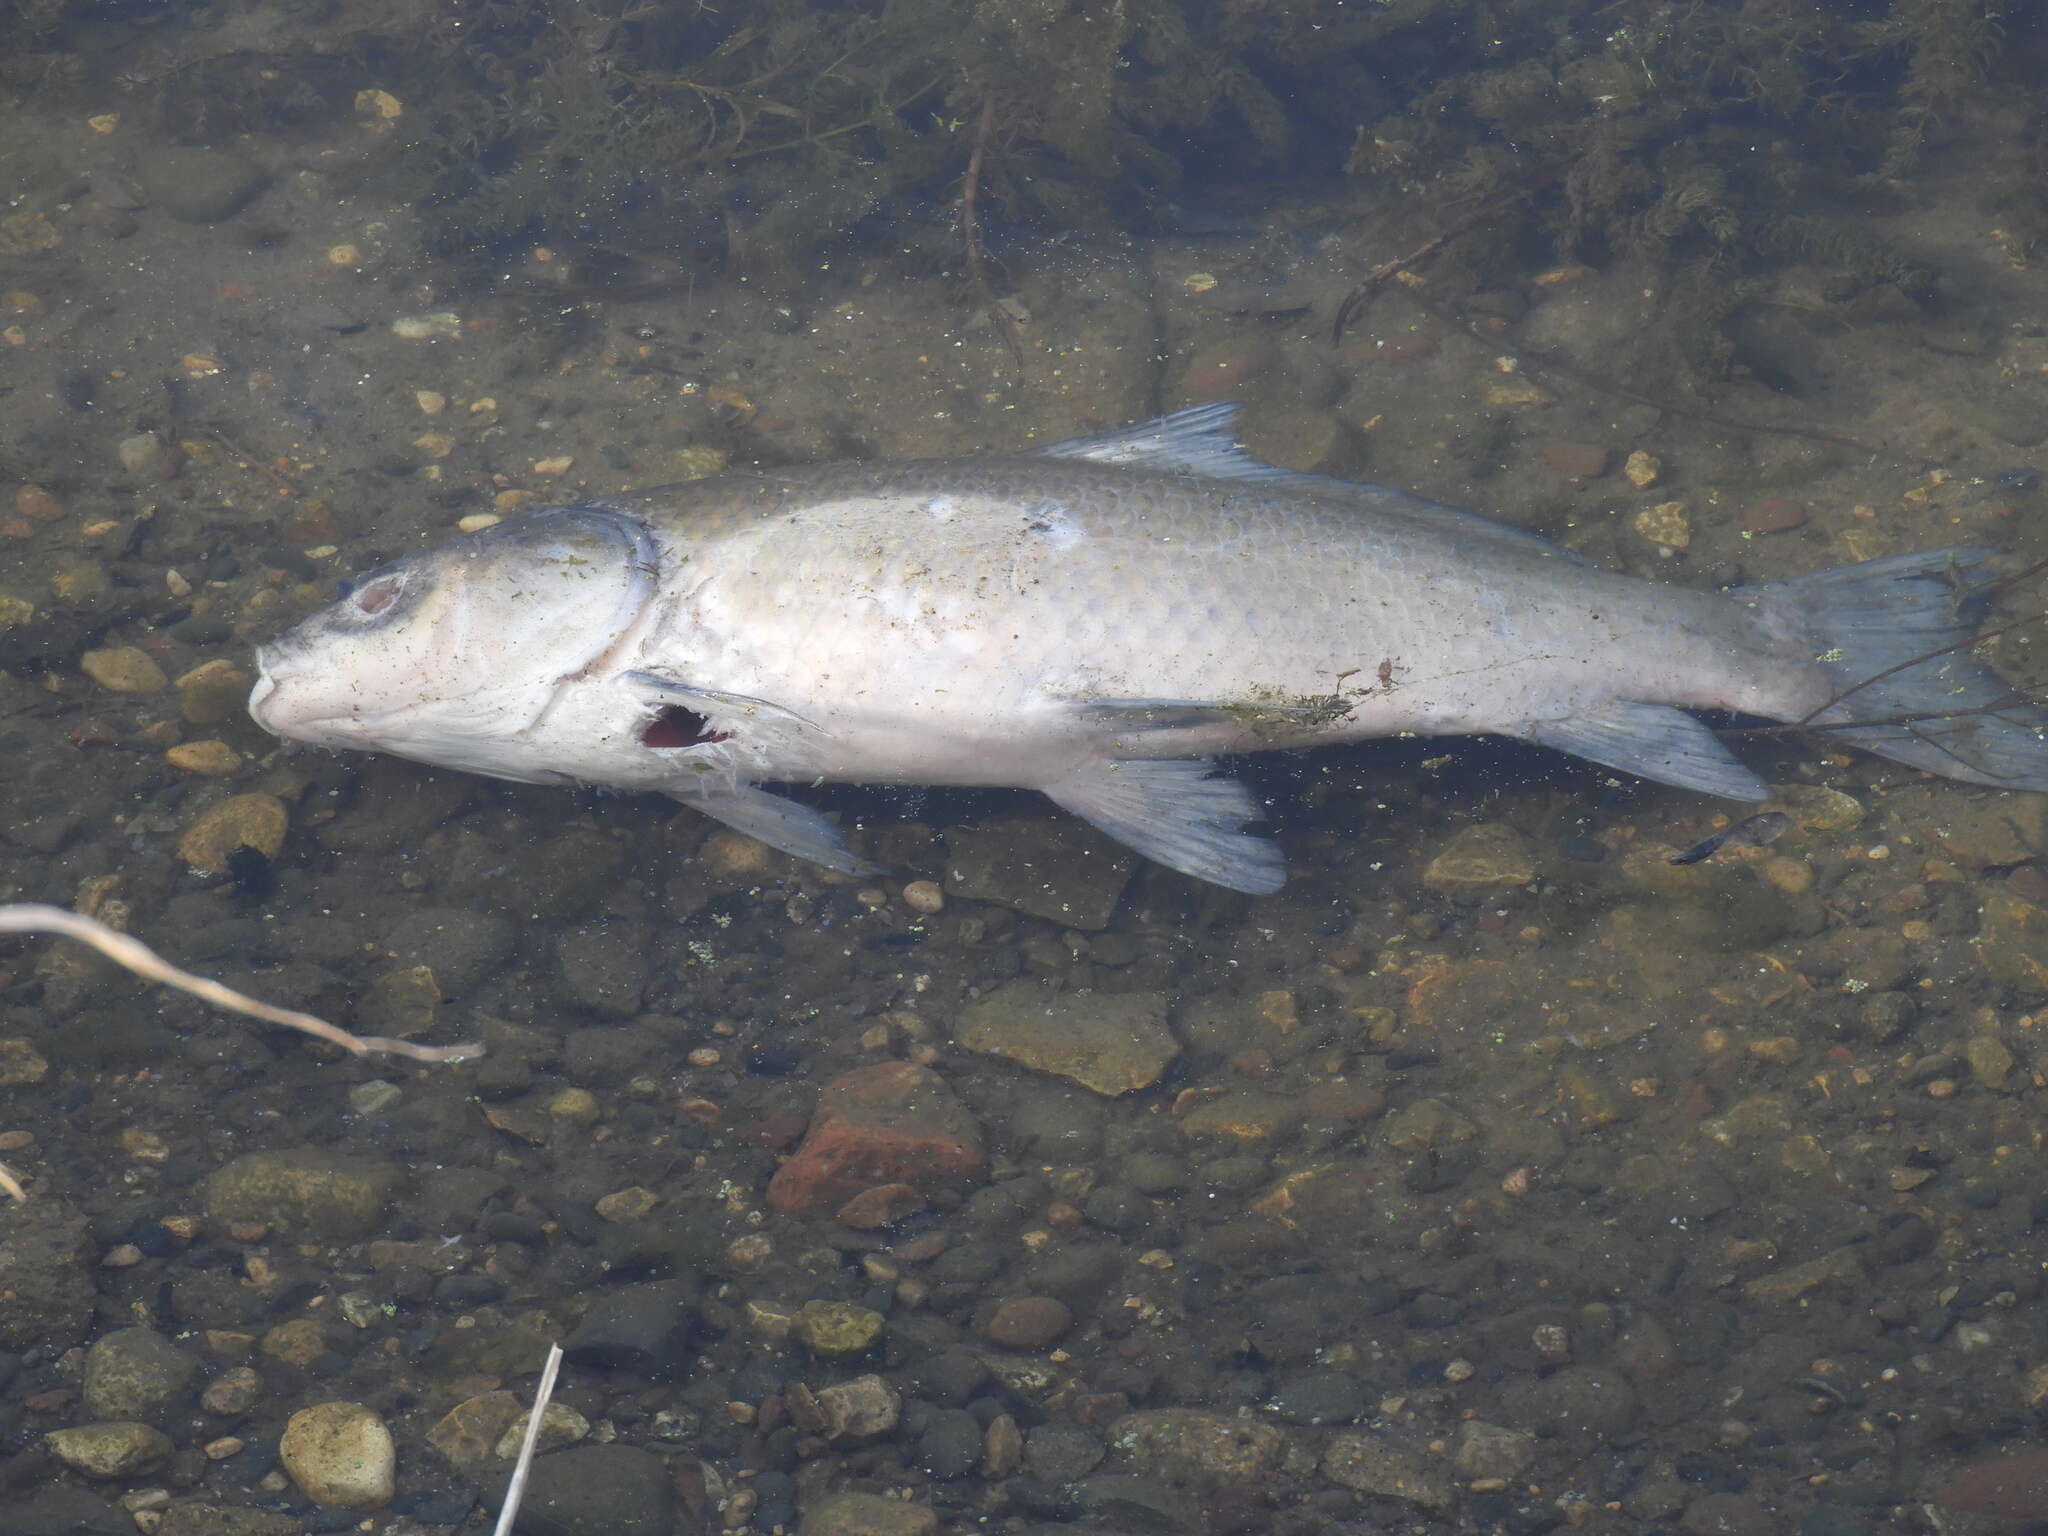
x,y
449,655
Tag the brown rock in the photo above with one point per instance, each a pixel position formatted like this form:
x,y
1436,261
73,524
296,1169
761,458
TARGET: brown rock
x,y
894,1122
468,1433
882,1206
32,501
1110,1042
124,669
1583,460
1223,370
1775,514
1027,1322
243,821
2005,1488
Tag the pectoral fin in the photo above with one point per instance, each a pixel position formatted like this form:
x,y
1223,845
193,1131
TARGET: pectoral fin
x,y
1653,741
781,824
1175,814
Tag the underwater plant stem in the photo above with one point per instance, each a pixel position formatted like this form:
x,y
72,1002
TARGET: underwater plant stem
x,y
970,232
1368,285
284,485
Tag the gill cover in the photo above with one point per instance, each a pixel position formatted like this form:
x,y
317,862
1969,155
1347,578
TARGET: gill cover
x,y
469,639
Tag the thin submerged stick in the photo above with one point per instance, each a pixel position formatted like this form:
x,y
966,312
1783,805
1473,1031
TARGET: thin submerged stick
x,y
515,1490
32,917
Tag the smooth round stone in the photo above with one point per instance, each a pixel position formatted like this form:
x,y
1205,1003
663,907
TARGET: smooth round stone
x,y
340,1455
1027,1322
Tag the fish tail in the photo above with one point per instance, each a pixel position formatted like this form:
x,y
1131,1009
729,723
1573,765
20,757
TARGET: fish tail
x,y
1894,639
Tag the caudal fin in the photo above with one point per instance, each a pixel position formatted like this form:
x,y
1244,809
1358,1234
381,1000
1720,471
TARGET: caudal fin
x,y
1893,637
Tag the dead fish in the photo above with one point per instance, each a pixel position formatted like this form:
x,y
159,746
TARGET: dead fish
x,y
1751,832
1097,620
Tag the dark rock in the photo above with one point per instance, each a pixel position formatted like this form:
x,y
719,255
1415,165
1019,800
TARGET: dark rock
x,y
645,1329
317,1193
951,1444
1061,871
1062,1453
66,1512
46,1275
199,186
136,1373
596,1490
604,967
1027,1322
1321,1397
459,945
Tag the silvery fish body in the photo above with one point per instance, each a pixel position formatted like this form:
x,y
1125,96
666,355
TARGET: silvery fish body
x,y
1097,620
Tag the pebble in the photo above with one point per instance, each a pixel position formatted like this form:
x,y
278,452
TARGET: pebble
x,y
232,1393
374,1096
1198,1447
1027,1322
628,1204
601,1490
209,759
1583,461
468,1434
135,1373
116,1449
124,669
837,1328
442,325
37,504
1479,857
1775,514
560,1425
882,1206
924,896
1386,1468
21,1064
242,821
1643,469
892,1122
149,455
320,1194
340,1455
213,692
1668,524
1109,1042
865,1408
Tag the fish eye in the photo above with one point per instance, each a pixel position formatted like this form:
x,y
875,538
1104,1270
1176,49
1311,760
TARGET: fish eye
x,y
371,598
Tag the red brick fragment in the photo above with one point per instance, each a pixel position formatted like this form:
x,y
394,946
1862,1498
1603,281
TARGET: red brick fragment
x,y
891,1123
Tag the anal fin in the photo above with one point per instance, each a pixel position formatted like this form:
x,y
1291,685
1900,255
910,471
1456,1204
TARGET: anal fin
x,y
1175,814
1652,741
781,824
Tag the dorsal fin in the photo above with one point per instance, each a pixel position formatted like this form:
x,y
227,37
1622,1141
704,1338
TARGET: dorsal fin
x,y
1202,441
1197,441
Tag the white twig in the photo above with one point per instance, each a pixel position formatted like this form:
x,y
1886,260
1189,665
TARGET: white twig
x,y
27,917
31,917
515,1490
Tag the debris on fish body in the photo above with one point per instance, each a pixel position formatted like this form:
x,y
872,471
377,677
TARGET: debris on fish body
x,y
1097,620
1756,831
